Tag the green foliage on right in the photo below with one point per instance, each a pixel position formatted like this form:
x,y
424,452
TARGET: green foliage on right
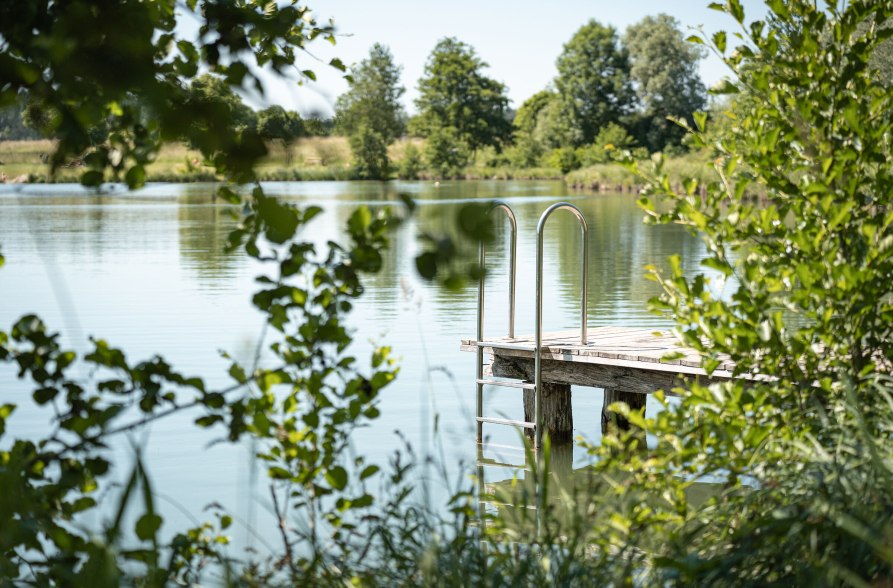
x,y
797,292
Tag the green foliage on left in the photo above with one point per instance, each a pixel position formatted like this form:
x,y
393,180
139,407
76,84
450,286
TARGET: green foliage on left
x,y
300,411
124,65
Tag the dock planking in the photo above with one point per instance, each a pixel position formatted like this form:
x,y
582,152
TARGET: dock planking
x,y
637,349
627,363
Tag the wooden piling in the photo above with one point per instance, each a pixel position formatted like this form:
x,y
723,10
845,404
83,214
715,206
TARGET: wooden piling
x,y
558,417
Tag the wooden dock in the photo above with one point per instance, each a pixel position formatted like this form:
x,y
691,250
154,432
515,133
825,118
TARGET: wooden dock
x,y
628,363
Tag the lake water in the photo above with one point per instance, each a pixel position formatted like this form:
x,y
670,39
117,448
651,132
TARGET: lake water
x,y
146,271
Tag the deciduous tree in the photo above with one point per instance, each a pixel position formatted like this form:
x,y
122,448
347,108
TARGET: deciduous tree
x,y
593,83
454,93
666,78
373,100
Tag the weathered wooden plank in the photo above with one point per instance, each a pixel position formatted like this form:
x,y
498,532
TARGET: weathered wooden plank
x,y
612,346
625,378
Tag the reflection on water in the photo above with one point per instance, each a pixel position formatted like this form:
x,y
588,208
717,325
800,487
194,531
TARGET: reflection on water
x,y
147,272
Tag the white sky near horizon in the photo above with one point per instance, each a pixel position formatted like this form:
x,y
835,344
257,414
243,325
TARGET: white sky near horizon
x,y
520,40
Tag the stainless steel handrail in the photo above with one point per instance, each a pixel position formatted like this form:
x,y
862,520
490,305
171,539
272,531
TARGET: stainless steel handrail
x,y
538,360
497,205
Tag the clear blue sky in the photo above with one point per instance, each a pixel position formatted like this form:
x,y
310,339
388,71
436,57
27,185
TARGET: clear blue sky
x,y
520,39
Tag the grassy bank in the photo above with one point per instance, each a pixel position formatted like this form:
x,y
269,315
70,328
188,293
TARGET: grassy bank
x,y
312,158
327,158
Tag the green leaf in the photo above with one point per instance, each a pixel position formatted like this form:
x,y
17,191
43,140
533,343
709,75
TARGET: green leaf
x,y
135,177
700,119
44,395
337,477
227,195
92,178
426,264
359,220
237,373
147,526
368,472
719,39
736,10
724,87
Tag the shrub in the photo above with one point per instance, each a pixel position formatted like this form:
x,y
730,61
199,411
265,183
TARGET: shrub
x,y
370,154
411,165
446,153
563,158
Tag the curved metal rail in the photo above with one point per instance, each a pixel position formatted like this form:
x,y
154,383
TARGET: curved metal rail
x,y
538,360
497,205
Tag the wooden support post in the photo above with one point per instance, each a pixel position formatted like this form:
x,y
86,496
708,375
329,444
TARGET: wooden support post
x,y
558,418
613,423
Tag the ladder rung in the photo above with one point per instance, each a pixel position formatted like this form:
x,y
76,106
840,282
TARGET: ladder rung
x,y
525,424
501,345
486,463
497,503
520,385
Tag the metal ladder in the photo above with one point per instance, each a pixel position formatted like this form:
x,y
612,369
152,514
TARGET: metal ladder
x,y
536,386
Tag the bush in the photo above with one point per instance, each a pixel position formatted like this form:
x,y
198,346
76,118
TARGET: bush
x,y
609,145
370,154
411,165
446,153
563,158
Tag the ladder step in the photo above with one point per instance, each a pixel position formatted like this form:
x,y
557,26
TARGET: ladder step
x,y
488,463
501,345
508,504
524,424
520,385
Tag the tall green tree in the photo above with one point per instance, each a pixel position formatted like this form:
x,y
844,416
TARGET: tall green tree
x,y
373,99
666,79
593,83
455,93
277,124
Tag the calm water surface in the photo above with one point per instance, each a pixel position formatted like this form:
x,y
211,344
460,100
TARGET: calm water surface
x,y
146,271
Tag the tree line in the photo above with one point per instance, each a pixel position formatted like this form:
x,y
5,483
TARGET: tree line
x,y
611,92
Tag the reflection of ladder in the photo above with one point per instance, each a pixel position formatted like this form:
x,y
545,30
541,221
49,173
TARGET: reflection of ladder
x,y
536,386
